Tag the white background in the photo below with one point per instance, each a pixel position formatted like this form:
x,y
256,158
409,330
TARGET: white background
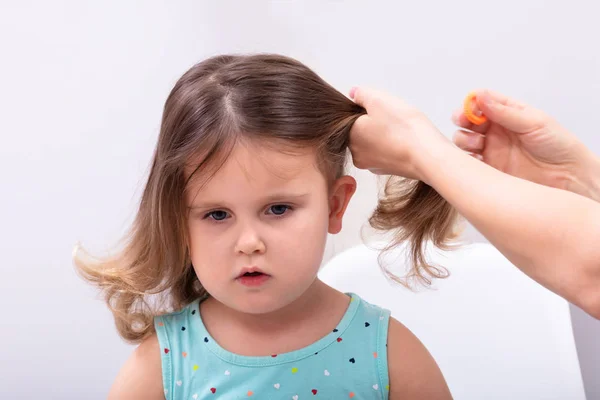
x,y
82,85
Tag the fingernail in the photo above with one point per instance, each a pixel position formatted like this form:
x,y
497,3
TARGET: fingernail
x,y
352,92
474,141
487,99
456,116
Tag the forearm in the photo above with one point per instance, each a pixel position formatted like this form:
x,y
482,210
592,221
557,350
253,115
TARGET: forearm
x,y
550,234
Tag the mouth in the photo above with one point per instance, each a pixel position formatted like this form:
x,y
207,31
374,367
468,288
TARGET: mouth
x,y
251,271
256,273
252,277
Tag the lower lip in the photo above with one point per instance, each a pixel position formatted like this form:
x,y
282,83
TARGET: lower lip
x,y
253,281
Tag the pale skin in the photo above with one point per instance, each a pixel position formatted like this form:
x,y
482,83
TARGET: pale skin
x,y
535,196
239,218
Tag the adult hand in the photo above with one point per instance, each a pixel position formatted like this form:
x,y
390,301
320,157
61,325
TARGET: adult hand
x,y
525,142
393,138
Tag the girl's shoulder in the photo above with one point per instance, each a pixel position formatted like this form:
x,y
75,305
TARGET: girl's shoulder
x,y
173,332
140,376
413,373
411,370
171,325
193,305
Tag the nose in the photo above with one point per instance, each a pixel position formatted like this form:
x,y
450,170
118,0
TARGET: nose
x,y
250,242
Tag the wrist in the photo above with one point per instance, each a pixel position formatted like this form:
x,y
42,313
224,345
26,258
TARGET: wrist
x,y
585,180
430,163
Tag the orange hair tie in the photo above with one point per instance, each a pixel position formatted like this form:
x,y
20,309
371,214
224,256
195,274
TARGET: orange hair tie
x,y
469,113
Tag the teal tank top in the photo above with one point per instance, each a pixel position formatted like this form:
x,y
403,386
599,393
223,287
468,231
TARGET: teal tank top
x,y
350,362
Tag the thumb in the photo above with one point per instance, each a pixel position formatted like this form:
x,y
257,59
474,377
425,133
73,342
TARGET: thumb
x,y
362,96
508,113
362,125
373,99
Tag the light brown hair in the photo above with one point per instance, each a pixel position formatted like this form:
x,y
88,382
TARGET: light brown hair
x,y
217,102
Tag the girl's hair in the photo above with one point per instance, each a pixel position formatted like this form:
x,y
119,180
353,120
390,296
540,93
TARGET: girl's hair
x,y
216,103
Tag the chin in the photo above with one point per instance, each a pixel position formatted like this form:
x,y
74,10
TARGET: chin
x,y
270,298
262,303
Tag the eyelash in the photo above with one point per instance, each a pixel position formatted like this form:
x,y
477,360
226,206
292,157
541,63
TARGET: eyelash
x,y
209,215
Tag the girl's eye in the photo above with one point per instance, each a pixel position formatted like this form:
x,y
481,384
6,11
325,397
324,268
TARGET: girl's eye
x,y
217,215
278,209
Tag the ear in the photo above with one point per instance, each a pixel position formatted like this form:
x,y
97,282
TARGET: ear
x,y
340,194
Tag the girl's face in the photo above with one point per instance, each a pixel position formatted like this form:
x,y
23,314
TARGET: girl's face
x,y
257,229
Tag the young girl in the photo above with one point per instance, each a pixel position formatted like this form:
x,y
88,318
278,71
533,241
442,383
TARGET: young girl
x,y
218,278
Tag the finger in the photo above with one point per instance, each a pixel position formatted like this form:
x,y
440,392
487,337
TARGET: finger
x,y
469,141
509,113
459,118
499,98
365,96
362,124
370,98
362,96
477,156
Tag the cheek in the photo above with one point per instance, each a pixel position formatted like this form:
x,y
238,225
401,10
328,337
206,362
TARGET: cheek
x,y
303,243
205,250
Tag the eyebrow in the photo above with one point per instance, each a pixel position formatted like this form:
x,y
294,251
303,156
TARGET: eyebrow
x,y
274,198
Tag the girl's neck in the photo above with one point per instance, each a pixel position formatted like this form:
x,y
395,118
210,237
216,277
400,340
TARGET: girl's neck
x,y
307,319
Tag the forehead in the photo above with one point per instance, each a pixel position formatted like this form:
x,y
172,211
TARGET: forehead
x,y
258,169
